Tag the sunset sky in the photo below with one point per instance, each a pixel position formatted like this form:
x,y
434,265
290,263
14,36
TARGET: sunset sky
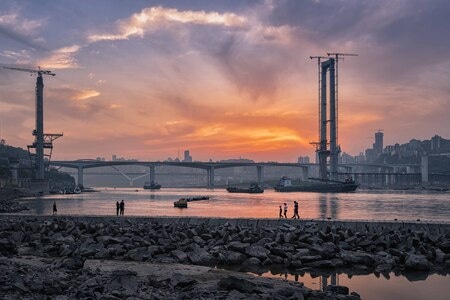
x,y
224,79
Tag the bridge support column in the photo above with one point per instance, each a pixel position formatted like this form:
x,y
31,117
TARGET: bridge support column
x,y
305,173
151,173
80,177
210,177
424,170
260,175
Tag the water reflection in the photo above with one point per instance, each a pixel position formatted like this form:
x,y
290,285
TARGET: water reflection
x,y
358,206
371,286
328,206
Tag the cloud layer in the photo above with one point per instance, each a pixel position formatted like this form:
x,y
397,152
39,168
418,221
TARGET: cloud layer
x,y
223,80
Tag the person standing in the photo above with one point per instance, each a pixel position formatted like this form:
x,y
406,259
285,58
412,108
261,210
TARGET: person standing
x,y
122,207
281,213
55,211
296,215
117,207
285,210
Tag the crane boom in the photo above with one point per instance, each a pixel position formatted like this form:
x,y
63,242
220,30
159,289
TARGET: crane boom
x,y
342,54
39,71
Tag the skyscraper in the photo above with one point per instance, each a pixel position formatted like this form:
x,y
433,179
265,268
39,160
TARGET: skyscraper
x,y
378,145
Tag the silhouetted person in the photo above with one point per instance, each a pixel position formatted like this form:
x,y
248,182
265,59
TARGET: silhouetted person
x,y
55,211
281,212
296,216
285,210
117,207
122,207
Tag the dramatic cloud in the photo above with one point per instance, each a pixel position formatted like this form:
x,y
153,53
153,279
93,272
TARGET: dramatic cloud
x,y
153,17
63,58
222,78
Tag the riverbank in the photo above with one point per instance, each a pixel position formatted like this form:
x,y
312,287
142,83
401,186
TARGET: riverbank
x,y
70,244
9,200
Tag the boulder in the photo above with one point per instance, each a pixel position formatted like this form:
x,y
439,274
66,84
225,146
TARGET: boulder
x,y
235,283
417,262
238,246
257,251
200,257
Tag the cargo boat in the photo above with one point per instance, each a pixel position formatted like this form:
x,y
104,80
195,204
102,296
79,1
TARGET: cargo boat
x,y
253,189
324,186
152,186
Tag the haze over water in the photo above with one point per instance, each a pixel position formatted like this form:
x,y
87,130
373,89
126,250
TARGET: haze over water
x,y
361,205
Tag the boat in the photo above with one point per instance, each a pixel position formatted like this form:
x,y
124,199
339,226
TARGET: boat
x,y
77,190
181,203
152,186
253,189
323,186
197,198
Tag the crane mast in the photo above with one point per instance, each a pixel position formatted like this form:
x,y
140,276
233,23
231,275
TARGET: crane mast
x,y
42,140
329,66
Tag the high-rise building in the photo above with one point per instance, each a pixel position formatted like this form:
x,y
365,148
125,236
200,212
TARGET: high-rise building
x,y
187,156
378,145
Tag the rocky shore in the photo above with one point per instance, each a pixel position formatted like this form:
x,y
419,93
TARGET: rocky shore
x,y
73,257
8,200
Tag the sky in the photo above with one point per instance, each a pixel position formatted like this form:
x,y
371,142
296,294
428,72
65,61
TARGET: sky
x,y
223,79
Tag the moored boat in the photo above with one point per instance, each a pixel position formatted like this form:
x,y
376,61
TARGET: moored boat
x,y
323,186
152,186
253,189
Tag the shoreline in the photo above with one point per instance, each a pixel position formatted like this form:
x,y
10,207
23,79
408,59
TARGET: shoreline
x,y
70,243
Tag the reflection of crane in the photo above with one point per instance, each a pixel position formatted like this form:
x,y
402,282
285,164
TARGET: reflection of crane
x,y
337,57
41,140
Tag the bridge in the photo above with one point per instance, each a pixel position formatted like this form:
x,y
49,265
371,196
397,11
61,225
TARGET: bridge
x,y
210,167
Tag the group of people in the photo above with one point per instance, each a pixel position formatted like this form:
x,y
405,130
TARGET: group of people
x,y
120,208
284,209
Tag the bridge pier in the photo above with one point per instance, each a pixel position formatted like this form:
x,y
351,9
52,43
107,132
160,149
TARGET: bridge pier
x,y
151,173
260,175
424,170
305,173
210,171
80,177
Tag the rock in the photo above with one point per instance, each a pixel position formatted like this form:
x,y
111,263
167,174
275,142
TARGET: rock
x,y
235,283
238,246
320,264
353,258
123,280
73,263
200,257
417,262
445,246
138,254
179,255
257,251
338,289
439,256
233,257
252,261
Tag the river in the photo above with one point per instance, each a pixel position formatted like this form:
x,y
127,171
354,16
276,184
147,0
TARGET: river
x,y
362,205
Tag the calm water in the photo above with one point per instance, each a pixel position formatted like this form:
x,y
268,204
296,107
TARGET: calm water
x,y
371,287
361,205
426,206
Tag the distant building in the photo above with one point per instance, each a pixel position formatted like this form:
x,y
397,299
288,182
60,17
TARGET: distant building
x,y
303,160
378,145
187,156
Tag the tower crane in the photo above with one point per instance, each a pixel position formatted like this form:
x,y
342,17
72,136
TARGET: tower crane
x,y
41,140
337,56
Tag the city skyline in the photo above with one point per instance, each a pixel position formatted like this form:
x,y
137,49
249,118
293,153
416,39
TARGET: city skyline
x,y
222,79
